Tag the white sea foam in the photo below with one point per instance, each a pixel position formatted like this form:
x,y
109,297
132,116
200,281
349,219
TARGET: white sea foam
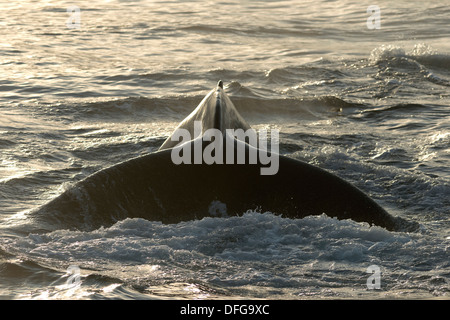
x,y
264,249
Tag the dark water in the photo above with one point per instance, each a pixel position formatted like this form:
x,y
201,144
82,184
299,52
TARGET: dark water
x,y
371,106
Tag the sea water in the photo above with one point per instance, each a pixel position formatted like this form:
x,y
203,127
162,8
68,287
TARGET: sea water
x,y
362,91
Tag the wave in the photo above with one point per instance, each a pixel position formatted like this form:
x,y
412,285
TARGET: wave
x,y
252,103
303,73
260,31
248,101
400,108
182,88
421,54
5,143
175,108
266,250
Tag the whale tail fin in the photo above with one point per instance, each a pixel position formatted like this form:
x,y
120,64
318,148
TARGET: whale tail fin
x,y
216,111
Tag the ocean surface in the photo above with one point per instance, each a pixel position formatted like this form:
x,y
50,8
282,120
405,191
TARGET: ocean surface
x,y
83,88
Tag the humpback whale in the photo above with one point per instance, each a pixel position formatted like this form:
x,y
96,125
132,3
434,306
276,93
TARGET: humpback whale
x,y
153,187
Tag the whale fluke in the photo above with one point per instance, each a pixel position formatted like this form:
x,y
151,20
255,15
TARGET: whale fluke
x,y
155,188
